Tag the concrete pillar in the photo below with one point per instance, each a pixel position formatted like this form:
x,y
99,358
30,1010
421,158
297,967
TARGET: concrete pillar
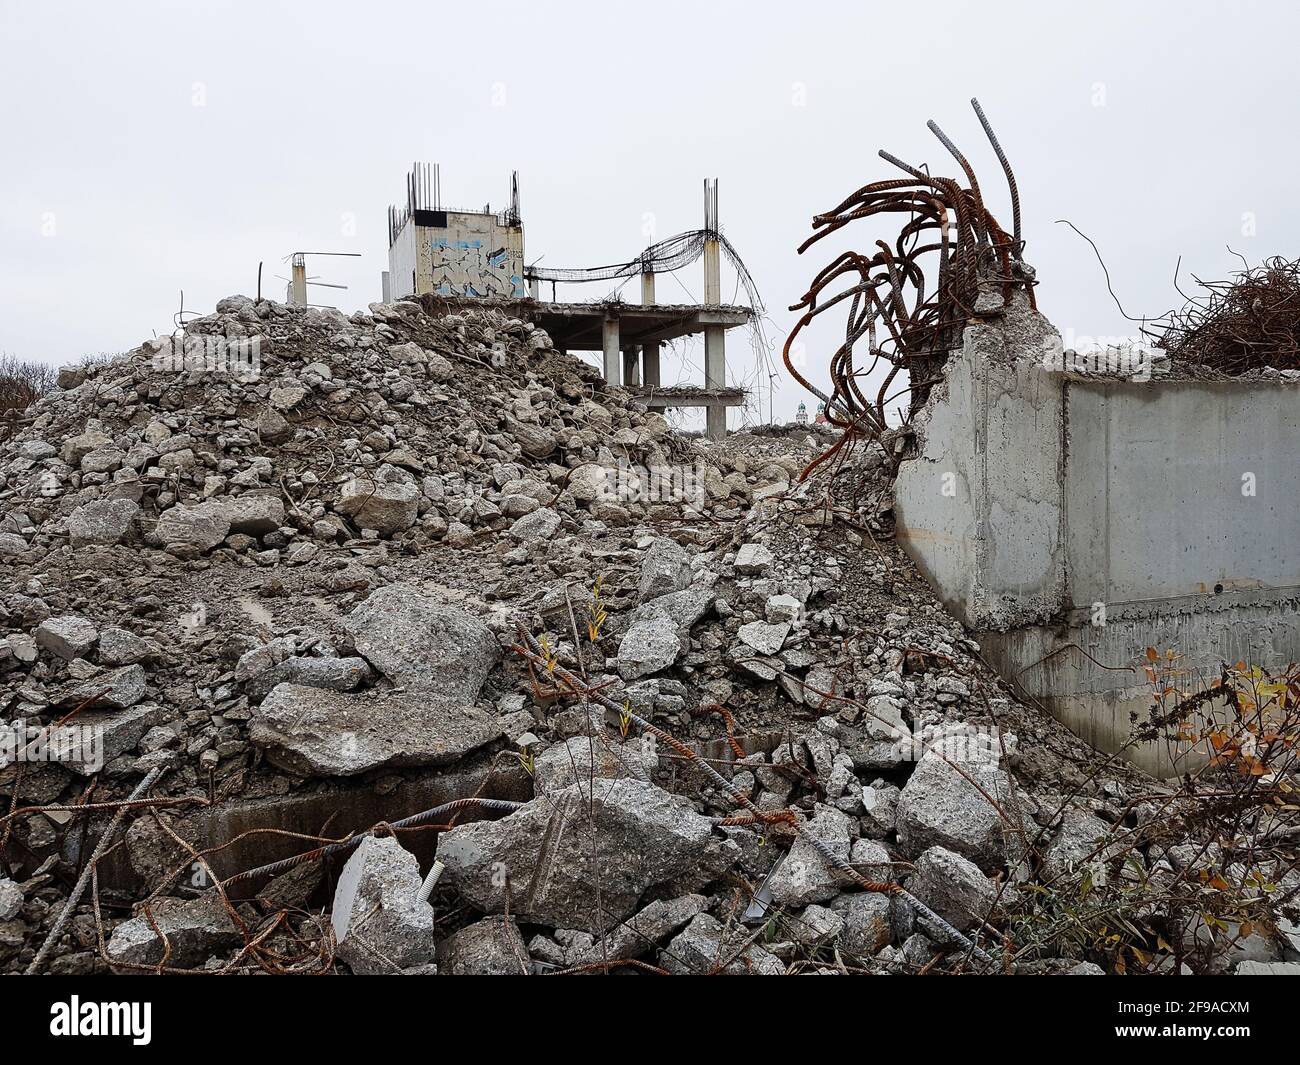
x,y
715,376
631,365
386,285
299,282
609,336
650,350
534,288
712,273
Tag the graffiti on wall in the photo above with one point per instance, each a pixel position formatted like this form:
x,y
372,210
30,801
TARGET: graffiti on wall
x,y
467,268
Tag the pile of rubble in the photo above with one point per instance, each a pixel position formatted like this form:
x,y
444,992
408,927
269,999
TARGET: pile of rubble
x,y
298,587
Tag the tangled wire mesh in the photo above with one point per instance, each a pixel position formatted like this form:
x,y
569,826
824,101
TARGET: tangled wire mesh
x,y
1248,322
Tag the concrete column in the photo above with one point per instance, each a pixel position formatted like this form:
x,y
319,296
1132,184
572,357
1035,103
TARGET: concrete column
x,y
712,273
631,365
609,335
386,286
299,282
650,350
534,288
715,376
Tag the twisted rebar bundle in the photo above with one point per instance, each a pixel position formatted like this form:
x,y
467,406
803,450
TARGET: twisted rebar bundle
x,y
907,323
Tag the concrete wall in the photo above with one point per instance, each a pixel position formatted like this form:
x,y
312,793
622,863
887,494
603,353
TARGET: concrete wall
x,y
472,256
402,263
980,508
1085,519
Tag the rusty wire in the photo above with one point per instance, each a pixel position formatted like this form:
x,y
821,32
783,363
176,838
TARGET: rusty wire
x,y
1248,322
910,301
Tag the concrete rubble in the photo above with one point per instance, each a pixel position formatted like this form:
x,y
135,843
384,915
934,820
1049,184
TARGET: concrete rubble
x,y
300,591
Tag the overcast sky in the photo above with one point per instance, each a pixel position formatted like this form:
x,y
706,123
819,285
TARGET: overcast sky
x,y
150,148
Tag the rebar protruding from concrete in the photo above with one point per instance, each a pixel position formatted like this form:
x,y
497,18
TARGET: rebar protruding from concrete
x,y
79,889
1006,169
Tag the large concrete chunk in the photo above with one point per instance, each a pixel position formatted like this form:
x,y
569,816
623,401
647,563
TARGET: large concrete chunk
x,y
946,803
253,515
115,689
704,947
804,876
201,527
490,947
638,934
195,929
545,861
68,636
665,568
387,502
953,887
314,731
102,522
380,923
583,758
649,646
423,645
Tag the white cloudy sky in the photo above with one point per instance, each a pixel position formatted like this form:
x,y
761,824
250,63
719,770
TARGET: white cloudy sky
x,y
150,148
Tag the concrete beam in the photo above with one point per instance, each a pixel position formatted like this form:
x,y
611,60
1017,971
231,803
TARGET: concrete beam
x,y
609,334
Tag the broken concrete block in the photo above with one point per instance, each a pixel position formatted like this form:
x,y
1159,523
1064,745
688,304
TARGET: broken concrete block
x,y
196,929
953,887
536,527
683,608
648,838
387,501
117,647
704,947
200,527
638,935
314,731
753,558
665,568
380,923
490,947
423,645
804,876
940,807
103,522
115,689
867,927
649,646
572,762
11,899
764,638
68,636
332,674
254,515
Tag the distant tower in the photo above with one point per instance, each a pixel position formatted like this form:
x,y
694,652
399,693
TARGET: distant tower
x,y
801,415
453,252
821,414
